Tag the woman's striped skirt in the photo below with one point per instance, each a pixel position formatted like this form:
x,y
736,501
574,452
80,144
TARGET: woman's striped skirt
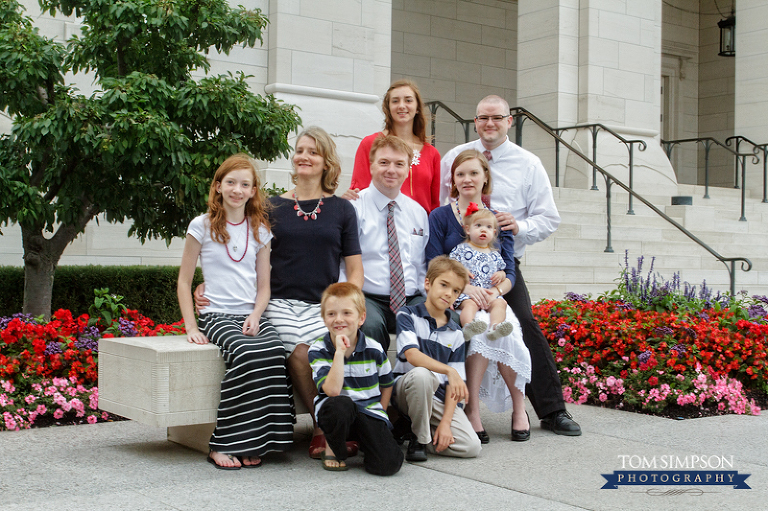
x,y
296,322
255,414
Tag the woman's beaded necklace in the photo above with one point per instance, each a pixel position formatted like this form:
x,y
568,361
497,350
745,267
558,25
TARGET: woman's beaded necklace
x,y
312,214
234,247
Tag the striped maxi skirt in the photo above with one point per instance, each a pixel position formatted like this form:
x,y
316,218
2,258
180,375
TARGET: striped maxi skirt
x,y
256,413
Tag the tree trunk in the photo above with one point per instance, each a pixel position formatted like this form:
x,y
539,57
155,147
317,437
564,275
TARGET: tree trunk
x,y
41,257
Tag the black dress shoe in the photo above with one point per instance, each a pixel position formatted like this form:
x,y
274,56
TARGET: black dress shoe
x,y
521,435
416,451
561,423
483,436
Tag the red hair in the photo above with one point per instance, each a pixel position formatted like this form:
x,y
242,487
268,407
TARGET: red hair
x,y
256,208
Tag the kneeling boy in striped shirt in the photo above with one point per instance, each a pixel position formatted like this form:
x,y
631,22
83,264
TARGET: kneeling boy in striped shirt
x,y
354,384
429,372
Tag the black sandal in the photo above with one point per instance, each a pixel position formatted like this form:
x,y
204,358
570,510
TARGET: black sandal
x,y
213,462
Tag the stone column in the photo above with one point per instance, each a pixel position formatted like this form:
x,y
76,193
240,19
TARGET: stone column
x,y
592,61
332,59
751,91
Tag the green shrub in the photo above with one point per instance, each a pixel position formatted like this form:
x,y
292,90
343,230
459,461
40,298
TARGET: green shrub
x,y
149,289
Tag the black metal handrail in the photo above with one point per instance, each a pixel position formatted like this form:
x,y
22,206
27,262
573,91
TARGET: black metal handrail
x,y
610,179
738,139
738,158
764,148
594,128
434,105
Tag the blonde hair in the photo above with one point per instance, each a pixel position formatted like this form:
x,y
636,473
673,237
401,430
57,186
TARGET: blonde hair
x,y
464,156
256,208
444,264
344,290
419,121
326,148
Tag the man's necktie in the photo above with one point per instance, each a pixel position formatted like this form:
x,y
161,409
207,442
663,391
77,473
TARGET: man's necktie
x,y
396,281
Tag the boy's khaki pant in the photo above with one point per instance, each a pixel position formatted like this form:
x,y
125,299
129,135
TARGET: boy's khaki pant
x,y
415,396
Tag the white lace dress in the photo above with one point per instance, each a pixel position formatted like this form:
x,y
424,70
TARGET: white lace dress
x,y
509,350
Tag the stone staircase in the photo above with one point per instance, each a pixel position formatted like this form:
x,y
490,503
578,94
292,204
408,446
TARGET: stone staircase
x,y
574,258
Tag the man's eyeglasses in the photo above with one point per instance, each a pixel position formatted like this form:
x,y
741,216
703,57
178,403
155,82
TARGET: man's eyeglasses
x,y
494,118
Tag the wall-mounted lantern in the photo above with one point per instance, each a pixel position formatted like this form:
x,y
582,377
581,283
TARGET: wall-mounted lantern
x,y
727,36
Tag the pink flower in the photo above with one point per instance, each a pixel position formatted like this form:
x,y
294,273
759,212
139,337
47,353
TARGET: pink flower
x,y
92,419
41,410
561,342
78,406
7,386
58,414
602,397
104,416
30,399
93,400
10,424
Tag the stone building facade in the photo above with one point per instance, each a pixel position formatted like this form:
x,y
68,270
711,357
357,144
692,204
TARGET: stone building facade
x,y
648,69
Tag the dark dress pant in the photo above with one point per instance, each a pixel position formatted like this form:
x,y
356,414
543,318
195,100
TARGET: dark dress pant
x,y
544,391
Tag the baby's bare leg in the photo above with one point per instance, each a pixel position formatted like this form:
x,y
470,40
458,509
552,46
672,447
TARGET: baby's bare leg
x,y
468,310
498,311
471,326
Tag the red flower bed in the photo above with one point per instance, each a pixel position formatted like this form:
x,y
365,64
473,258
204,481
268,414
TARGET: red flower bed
x,y
51,368
610,353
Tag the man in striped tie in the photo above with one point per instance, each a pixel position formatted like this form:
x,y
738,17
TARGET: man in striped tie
x,y
393,232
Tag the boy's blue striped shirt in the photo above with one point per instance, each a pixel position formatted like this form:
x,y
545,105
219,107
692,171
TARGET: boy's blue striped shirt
x,y
366,372
417,329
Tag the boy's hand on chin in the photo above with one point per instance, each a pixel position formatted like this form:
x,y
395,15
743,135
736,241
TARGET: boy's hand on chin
x,y
342,342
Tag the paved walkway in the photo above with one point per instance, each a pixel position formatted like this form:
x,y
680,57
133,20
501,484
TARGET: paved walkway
x,y
128,466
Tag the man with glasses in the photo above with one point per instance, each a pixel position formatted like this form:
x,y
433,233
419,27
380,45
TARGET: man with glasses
x,y
523,195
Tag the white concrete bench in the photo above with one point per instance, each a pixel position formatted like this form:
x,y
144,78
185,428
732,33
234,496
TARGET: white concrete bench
x,y
166,382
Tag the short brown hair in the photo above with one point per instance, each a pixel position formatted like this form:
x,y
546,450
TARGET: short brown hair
x,y
444,264
394,143
344,290
471,154
494,99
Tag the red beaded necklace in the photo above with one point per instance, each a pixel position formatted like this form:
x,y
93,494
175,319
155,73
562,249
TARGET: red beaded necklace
x,y
247,236
307,215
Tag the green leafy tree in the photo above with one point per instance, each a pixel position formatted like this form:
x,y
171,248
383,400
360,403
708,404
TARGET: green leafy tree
x,y
144,146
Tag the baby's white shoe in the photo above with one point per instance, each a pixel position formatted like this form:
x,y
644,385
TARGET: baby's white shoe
x,y
502,329
473,328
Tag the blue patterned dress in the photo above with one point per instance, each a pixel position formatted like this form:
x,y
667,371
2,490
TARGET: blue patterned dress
x,y
482,265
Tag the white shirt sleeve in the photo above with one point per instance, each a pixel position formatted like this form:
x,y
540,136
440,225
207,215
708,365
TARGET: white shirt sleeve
x,y
543,218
